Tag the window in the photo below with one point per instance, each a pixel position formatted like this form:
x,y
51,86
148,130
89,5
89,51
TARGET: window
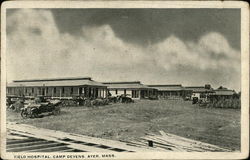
x,y
116,92
62,90
32,90
71,90
38,90
47,90
54,90
202,95
125,91
135,94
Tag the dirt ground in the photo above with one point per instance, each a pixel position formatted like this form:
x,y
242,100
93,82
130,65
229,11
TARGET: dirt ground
x,y
130,121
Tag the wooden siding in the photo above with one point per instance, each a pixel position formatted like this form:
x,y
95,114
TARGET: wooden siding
x,y
67,91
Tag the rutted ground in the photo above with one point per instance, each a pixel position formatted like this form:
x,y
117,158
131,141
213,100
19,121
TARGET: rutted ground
x,y
129,121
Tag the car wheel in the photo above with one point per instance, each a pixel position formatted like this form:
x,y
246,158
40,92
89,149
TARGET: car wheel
x,y
24,114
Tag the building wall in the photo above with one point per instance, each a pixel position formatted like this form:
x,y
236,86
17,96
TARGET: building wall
x,y
170,94
94,92
134,93
130,92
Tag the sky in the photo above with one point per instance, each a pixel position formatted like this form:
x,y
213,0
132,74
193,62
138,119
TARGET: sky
x,y
192,47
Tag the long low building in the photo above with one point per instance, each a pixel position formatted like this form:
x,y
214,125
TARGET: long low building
x,y
170,91
201,91
133,89
58,87
223,93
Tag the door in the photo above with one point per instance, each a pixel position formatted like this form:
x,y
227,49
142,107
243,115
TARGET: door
x,y
43,91
80,91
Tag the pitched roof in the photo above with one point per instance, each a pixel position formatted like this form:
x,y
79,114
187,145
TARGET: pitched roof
x,y
54,79
224,92
199,89
168,87
80,81
126,85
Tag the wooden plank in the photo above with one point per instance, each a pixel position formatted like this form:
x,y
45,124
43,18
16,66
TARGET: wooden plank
x,y
179,144
89,148
14,137
169,146
184,144
39,146
51,149
69,150
75,146
198,144
22,141
187,144
27,144
61,136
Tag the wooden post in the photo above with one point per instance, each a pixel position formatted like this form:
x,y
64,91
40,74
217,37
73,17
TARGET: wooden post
x,y
60,92
106,93
94,93
150,143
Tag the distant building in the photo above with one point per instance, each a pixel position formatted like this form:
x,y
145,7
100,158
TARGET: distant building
x,y
170,91
133,89
58,88
200,91
223,93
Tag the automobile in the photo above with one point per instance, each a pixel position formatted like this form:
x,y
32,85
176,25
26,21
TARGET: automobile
x,y
195,100
187,98
124,98
16,105
34,110
153,97
11,100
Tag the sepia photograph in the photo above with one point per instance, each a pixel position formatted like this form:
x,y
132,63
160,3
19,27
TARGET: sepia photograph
x,y
115,80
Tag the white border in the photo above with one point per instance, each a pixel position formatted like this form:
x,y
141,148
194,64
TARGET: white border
x,y
143,4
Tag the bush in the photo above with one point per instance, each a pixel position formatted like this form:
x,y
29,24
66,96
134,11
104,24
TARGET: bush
x,y
226,103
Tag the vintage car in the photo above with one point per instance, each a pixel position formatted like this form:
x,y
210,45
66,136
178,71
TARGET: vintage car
x,y
10,100
34,110
125,98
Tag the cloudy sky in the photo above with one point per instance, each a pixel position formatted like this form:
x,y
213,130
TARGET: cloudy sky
x,y
155,46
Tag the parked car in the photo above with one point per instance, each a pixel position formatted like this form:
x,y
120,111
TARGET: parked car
x,y
125,99
195,100
33,110
16,105
187,98
11,100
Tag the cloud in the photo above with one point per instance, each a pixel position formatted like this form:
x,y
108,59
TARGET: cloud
x,y
36,48
212,51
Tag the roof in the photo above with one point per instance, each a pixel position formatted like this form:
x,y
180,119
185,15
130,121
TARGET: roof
x,y
80,81
54,79
168,87
224,92
124,82
126,85
199,89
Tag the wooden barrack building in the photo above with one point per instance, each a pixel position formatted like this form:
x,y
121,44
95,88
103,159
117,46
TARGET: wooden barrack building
x,y
133,89
58,88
